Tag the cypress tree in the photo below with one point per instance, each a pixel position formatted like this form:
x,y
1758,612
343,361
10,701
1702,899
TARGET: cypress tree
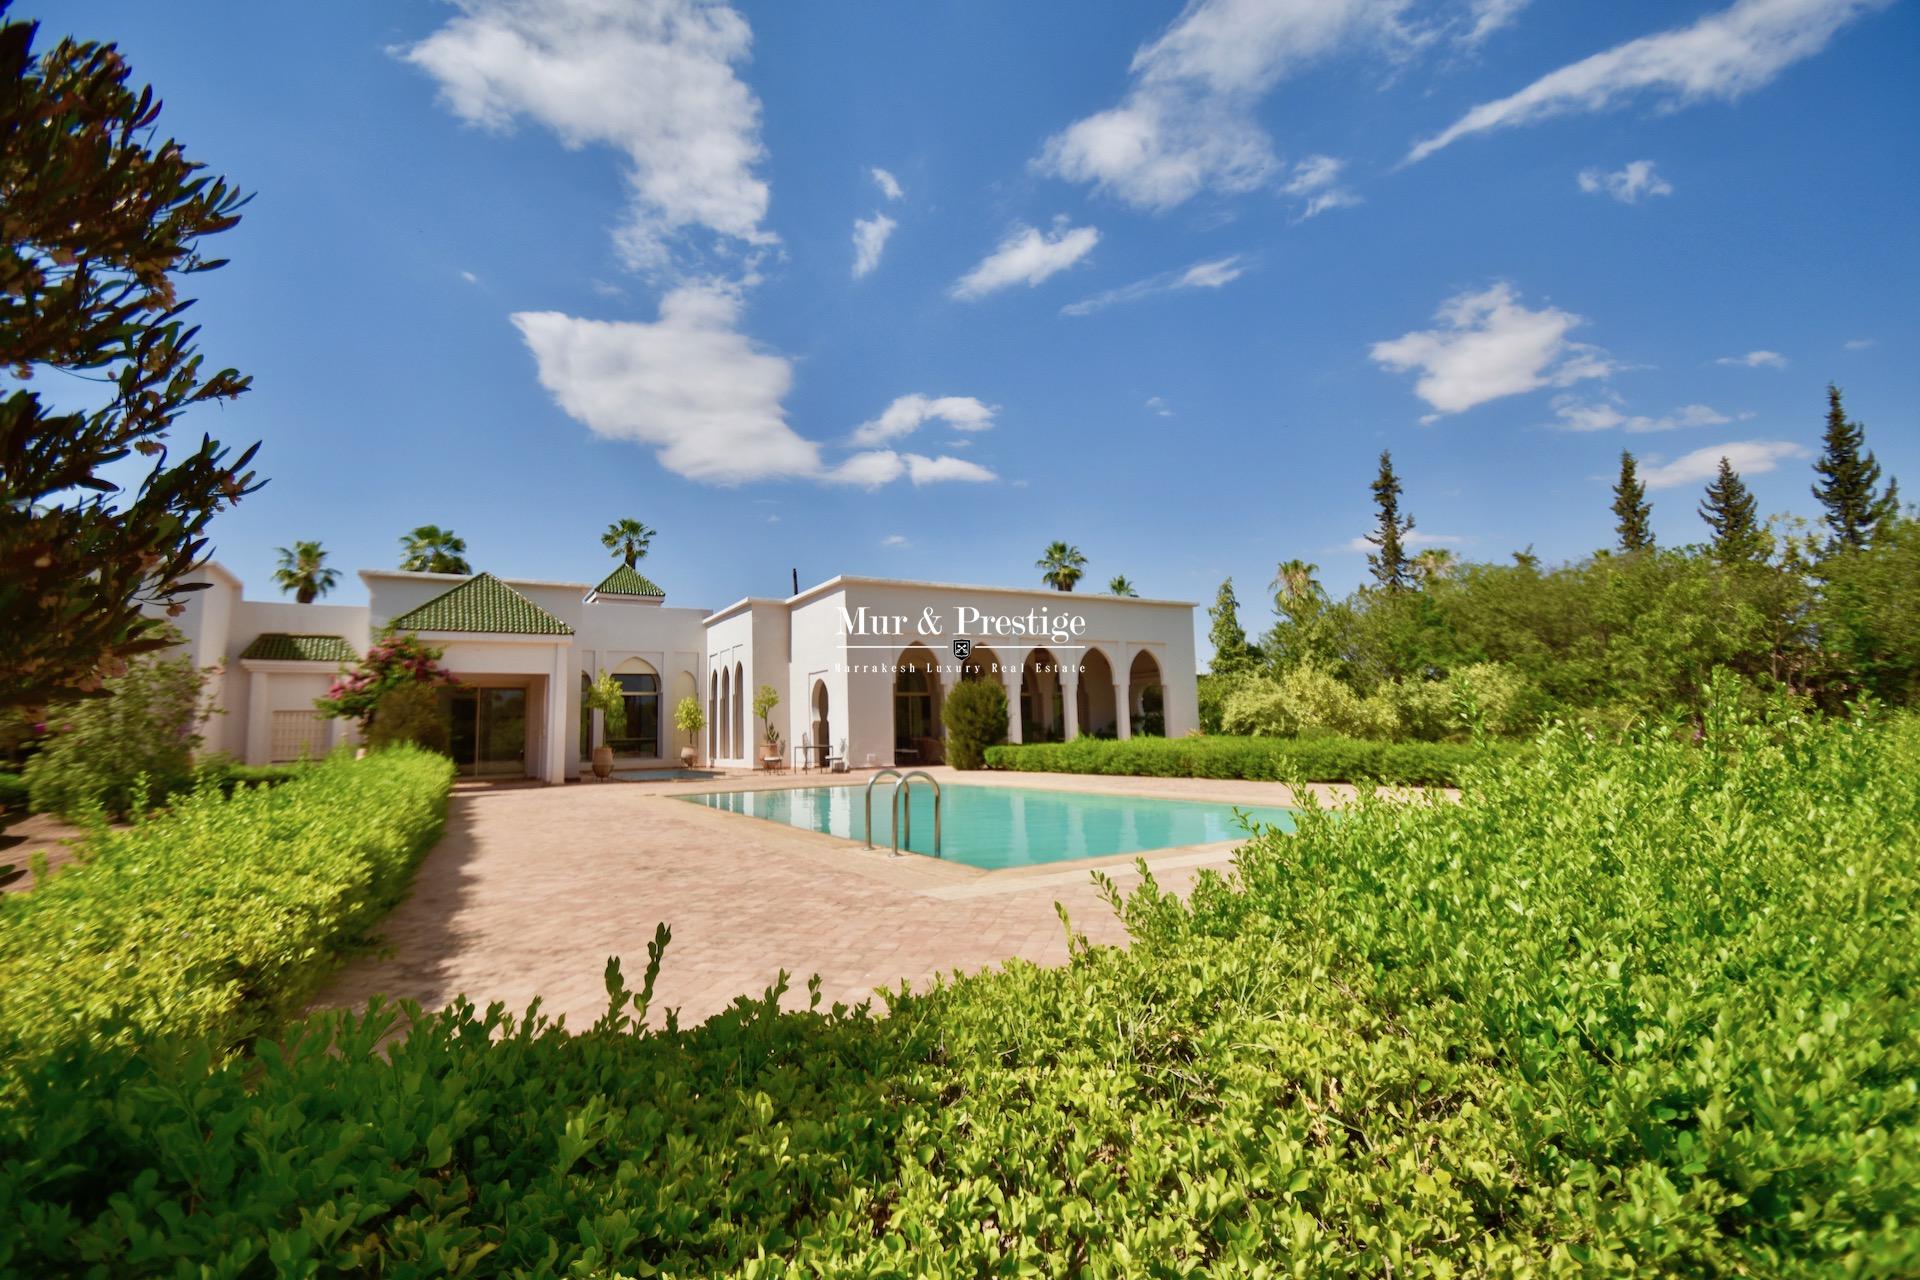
x,y
1389,564
1231,652
1631,508
1848,480
1729,512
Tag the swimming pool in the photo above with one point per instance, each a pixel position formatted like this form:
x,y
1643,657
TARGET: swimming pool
x,y
995,827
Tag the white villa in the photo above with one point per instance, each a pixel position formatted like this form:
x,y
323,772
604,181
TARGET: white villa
x,y
861,666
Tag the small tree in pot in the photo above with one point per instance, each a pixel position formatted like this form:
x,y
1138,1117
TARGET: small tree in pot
x,y
765,699
689,719
606,696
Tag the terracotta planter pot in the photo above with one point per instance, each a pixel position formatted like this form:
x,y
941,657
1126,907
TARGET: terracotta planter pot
x,y
603,762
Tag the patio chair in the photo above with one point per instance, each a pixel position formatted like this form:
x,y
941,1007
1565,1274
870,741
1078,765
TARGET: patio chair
x,y
836,761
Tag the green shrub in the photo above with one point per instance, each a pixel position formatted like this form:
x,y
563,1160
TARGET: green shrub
x,y
223,773
216,916
13,792
1513,1036
1323,759
123,752
409,715
1303,699
975,715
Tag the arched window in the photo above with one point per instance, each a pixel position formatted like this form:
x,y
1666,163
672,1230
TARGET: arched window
x,y
912,707
639,731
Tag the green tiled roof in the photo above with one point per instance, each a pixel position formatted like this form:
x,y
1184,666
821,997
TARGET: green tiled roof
x,y
484,604
627,581
278,646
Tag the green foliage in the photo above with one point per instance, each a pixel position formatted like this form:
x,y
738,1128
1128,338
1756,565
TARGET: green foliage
x,y
1512,1036
1732,515
765,699
393,661
1231,653
687,715
628,540
124,753
1304,699
1389,560
1061,566
13,792
431,549
1631,510
409,715
103,218
1119,586
1849,480
1868,616
216,917
975,715
1319,759
223,773
1213,691
303,571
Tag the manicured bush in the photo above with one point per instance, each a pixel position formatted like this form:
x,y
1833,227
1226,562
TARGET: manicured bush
x,y
975,715
1622,1011
215,917
1324,759
125,751
409,715
224,773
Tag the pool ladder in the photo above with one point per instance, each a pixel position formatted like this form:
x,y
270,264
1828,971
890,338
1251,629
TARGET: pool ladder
x,y
904,781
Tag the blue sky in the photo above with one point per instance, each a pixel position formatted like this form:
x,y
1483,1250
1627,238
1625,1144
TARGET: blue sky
x,y
1161,282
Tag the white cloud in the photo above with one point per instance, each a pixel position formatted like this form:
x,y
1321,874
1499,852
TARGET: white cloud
x,y
894,540
1861,344
1722,55
1159,406
1489,345
1489,16
1212,274
869,239
652,78
469,277
876,467
1316,181
698,391
1749,457
1756,360
1577,415
888,184
1627,185
1187,121
1026,255
687,384
1413,539
906,414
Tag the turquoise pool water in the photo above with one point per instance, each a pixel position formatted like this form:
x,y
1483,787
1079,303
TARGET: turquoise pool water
x,y
993,827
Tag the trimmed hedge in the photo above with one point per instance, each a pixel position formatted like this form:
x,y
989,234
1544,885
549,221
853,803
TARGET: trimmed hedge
x,y
1423,764
214,918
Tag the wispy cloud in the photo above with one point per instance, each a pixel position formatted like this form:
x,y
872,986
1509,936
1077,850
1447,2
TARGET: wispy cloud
x,y
1756,360
1416,538
1158,406
1488,345
469,277
895,540
1722,55
1861,344
878,467
1748,457
1592,415
908,413
653,78
888,184
869,241
1211,274
1028,256
1187,123
1629,185
1315,182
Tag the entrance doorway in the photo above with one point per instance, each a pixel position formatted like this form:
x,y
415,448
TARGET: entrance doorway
x,y
486,730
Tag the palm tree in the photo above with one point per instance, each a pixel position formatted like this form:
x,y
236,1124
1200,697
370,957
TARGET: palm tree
x,y
1119,586
1433,564
431,549
1293,582
303,571
628,539
1061,566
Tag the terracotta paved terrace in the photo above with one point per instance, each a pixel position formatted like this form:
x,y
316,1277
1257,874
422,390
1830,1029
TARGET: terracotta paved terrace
x,y
532,888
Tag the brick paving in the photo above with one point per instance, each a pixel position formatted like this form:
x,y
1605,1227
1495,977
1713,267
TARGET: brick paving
x,y
532,888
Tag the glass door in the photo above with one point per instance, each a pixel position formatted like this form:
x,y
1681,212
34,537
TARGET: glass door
x,y
486,730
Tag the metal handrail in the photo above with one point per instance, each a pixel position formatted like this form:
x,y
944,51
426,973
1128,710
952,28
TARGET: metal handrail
x,y
870,781
905,781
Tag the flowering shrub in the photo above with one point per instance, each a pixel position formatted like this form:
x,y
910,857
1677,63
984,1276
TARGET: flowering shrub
x,y
394,660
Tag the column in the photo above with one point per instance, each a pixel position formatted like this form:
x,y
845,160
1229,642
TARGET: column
x,y
1070,695
1011,681
259,719
1122,710
559,741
